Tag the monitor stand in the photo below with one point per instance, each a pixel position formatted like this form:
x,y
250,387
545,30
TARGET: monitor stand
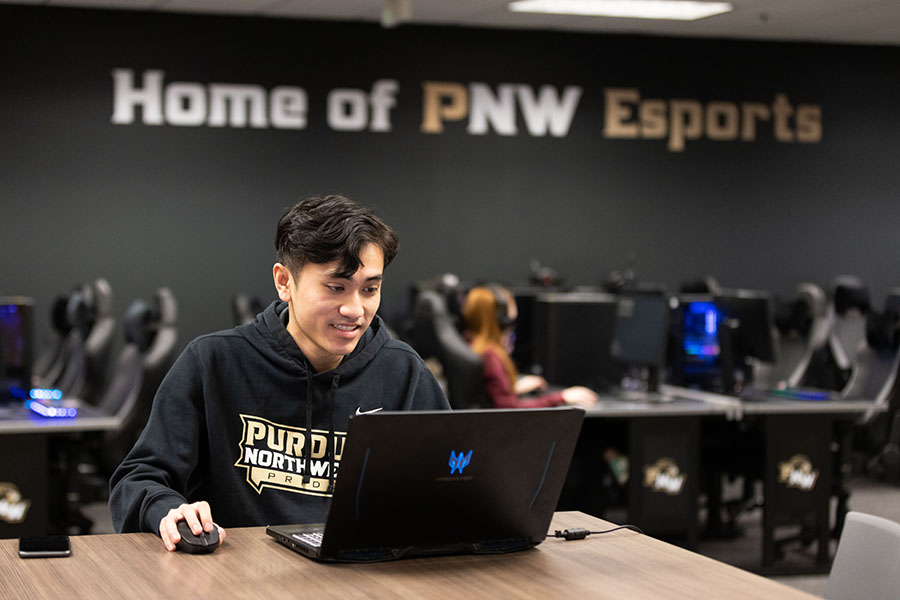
x,y
651,395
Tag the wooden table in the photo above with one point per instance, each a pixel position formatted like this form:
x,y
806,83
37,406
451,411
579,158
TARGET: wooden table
x,y
622,564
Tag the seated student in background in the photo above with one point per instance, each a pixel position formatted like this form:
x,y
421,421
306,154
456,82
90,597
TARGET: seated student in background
x,y
249,424
489,314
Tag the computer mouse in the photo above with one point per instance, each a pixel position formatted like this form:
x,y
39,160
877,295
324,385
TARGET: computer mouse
x,y
191,543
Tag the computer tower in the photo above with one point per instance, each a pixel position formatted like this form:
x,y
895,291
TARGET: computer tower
x,y
572,337
16,346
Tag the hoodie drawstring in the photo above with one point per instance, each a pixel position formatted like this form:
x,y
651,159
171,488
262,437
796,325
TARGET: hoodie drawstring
x,y
333,401
307,445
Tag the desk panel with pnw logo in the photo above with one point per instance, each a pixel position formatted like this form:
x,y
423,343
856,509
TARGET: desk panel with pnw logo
x,y
663,484
797,483
663,441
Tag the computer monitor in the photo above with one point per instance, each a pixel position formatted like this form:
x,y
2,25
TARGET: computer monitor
x,y
641,334
15,347
746,317
572,337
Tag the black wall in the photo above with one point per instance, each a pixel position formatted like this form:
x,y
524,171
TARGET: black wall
x,y
195,208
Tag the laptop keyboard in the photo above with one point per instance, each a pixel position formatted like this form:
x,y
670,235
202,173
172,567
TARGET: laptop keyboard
x,y
313,538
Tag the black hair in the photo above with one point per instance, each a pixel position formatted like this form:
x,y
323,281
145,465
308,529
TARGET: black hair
x,y
323,229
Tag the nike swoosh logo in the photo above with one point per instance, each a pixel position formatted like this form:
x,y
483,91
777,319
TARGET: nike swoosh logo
x,y
367,412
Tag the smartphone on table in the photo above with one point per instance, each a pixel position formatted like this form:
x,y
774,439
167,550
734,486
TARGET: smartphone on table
x,y
46,546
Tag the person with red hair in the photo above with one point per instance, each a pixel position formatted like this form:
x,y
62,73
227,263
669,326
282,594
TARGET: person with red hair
x,y
489,314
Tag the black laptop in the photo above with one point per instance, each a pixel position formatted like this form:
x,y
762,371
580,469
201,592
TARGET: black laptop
x,y
442,482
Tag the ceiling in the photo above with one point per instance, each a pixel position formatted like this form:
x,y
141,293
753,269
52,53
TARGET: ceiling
x,y
837,21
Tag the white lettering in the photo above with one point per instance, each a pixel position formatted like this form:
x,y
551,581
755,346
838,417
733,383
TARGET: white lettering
x,y
287,107
383,100
319,468
236,97
185,104
804,481
13,512
191,104
499,110
126,97
264,458
668,483
548,111
347,110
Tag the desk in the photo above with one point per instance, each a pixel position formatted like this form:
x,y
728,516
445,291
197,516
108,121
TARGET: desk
x,y
18,419
663,451
25,495
798,466
250,564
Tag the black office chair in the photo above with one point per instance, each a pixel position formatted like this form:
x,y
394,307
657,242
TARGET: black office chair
x,y
245,307
803,325
81,363
85,463
832,366
98,342
161,341
51,360
435,335
79,314
877,433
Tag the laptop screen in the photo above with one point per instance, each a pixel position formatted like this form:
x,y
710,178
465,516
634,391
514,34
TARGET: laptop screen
x,y
433,481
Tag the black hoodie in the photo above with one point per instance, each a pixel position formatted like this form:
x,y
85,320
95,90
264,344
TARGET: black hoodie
x,y
232,421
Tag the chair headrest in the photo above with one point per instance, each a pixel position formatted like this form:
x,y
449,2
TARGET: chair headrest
x,y
81,309
167,306
814,296
102,298
892,301
849,292
883,330
58,315
245,307
794,316
140,324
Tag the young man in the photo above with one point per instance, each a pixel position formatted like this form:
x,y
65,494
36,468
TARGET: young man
x,y
250,423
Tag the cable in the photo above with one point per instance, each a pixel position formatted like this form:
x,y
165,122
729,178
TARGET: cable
x,y
579,534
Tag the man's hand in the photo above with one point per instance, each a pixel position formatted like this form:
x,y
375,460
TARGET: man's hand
x,y
198,517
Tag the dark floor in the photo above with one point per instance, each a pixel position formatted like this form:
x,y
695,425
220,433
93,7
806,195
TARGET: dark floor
x,y
867,496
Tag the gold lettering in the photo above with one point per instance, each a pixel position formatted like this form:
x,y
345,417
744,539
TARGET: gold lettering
x,y
722,120
276,439
294,443
654,124
687,123
320,445
339,447
782,110
751,111
254,431
620,114
444,100
809,123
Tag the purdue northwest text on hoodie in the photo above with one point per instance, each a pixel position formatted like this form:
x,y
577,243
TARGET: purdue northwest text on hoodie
x,y
243,421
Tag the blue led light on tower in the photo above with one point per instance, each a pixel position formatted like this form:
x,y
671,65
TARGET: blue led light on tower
x,y
701,327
